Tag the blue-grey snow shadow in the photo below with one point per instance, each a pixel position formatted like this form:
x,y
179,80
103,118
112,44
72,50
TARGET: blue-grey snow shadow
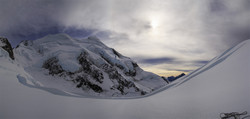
x,y
176,83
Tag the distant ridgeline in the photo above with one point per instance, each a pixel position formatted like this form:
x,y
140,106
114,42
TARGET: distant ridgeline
x,y
172,78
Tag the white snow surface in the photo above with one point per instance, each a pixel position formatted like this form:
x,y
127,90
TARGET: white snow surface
x,y
220,86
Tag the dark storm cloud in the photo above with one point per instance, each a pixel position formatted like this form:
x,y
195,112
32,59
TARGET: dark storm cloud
x,y
21,19
201,62
171,60
158,60
217,6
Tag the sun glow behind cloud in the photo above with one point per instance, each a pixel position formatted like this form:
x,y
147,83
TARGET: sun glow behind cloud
x,y
154,24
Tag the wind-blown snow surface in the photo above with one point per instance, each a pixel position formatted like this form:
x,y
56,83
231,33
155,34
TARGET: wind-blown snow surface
x,y
220,86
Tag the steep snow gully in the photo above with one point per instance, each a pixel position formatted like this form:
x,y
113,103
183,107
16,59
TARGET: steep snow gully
x,y
221,86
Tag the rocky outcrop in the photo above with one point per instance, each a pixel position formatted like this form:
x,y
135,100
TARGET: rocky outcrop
x,y
53,66
172,78
84,83
4,43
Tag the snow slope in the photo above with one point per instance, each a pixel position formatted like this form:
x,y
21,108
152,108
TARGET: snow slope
x,y
220,86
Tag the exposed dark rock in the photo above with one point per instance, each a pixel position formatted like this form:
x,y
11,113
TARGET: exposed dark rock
x,y
53,66
165,79
122,82
84,82
121,89
131,73
96,88
25,43
135,65
97,75
116,53
113,74
119,66
7,47
172,78
125,83
107,67
86,64
143,93
88,67
179,76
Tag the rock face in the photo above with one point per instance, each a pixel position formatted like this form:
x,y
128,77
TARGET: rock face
x,y
53,66
4,43
87,64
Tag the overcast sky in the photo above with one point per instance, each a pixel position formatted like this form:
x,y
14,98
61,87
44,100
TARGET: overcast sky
x,y
164,36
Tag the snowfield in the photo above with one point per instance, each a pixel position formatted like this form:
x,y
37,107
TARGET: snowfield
x,y
220,86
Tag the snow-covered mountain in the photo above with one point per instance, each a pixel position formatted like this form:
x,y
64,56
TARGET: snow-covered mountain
x,y
83,67
221,86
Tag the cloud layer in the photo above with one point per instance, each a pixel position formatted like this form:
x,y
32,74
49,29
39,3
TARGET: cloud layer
x,y
150,31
